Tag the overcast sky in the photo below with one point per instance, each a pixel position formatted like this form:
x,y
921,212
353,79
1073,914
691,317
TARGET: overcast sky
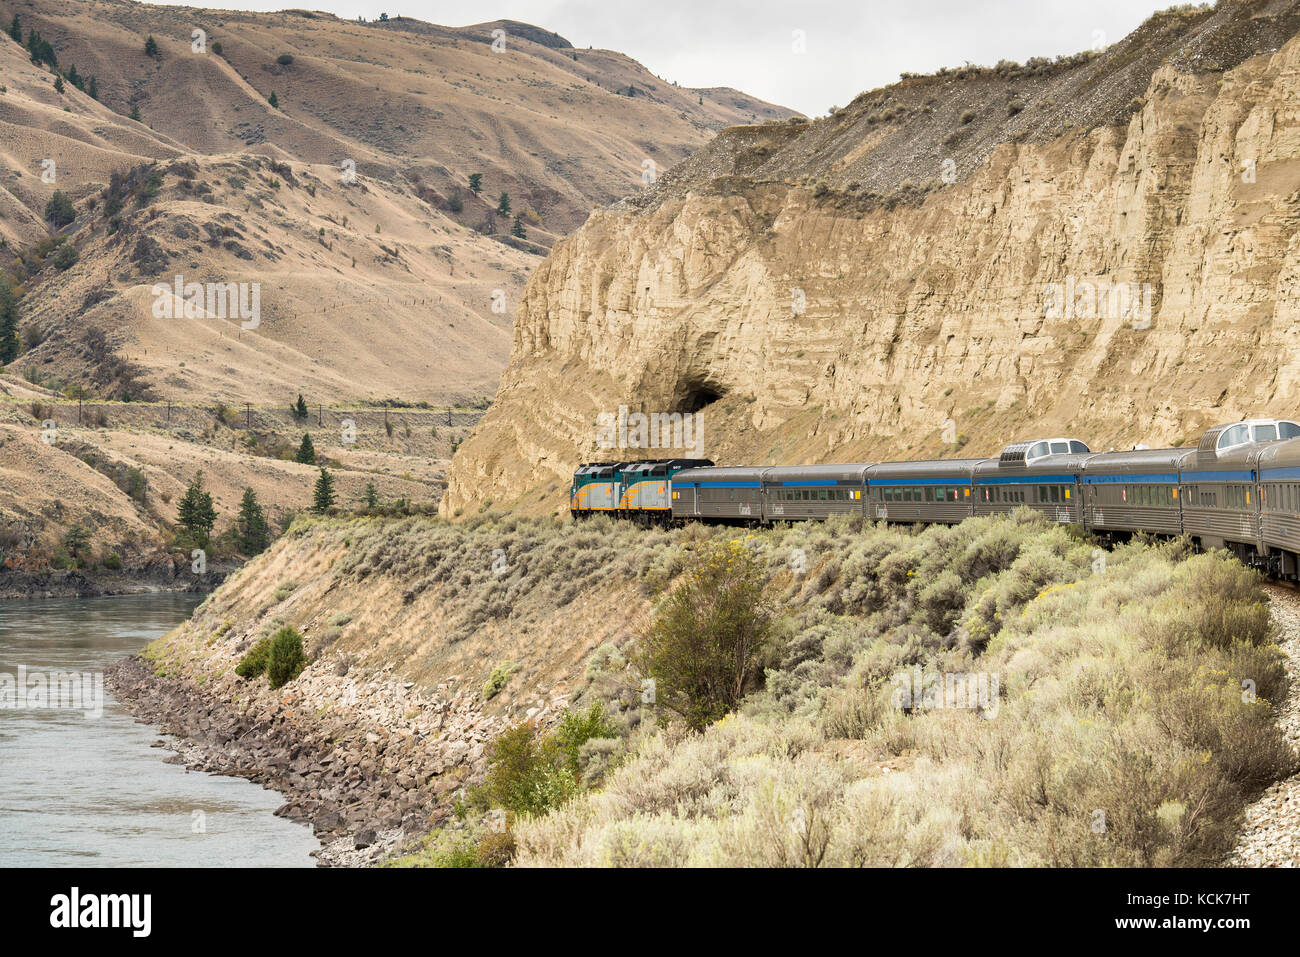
x,y
749,44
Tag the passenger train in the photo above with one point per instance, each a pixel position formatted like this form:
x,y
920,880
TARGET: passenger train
x,y
1238,489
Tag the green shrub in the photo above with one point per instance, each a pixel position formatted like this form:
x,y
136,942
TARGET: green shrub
x,y
498,679
113,562
576,728
703,648
254,662
286,658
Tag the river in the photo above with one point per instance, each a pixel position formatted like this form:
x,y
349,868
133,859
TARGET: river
x,y
88,790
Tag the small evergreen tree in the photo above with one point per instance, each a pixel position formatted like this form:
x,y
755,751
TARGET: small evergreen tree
x,y
15,30
273,100
196,513
135,112
41,51
323,494
518,230
58,84
503,204
476,183
251,529
92,88
10,344
306,451
76,539
299,408
151,46
371,498
59,210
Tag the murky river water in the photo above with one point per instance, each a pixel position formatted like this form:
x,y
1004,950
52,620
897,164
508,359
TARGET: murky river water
x,y
89,790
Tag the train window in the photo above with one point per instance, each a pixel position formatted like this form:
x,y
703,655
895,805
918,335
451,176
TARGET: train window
x,y
1265,433
1056,493
1060,447
1237,435
1077,446
1288,430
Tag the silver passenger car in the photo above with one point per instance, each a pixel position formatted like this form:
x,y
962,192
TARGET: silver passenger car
x,y
1042,474
938,490
798,492
732,495
1125,492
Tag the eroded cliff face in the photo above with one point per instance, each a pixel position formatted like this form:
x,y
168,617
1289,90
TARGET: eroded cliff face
x,y
806,321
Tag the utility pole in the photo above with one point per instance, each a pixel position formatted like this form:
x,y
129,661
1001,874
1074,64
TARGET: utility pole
x,y
248,415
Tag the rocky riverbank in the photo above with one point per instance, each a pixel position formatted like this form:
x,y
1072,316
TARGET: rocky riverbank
x,y
372,765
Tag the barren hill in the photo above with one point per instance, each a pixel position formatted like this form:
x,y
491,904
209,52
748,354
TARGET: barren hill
x,y
381,272
891,281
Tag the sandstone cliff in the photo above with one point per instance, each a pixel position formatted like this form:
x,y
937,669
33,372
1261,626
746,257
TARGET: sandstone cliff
x,y
911,275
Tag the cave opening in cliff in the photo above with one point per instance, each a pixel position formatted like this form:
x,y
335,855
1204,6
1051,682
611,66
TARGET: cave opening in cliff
x,y
698,397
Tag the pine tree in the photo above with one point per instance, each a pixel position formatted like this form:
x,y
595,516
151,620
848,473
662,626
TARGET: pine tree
x,y
503,204
371,498
59,209
151,46
323,494
518,229
299,408
135,112
251,529
273,100
196,513
306,451
476,183
10,344
16,30
92,88
58,84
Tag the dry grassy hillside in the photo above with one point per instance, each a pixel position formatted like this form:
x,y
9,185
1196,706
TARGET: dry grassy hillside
x,y
549,124
374,285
